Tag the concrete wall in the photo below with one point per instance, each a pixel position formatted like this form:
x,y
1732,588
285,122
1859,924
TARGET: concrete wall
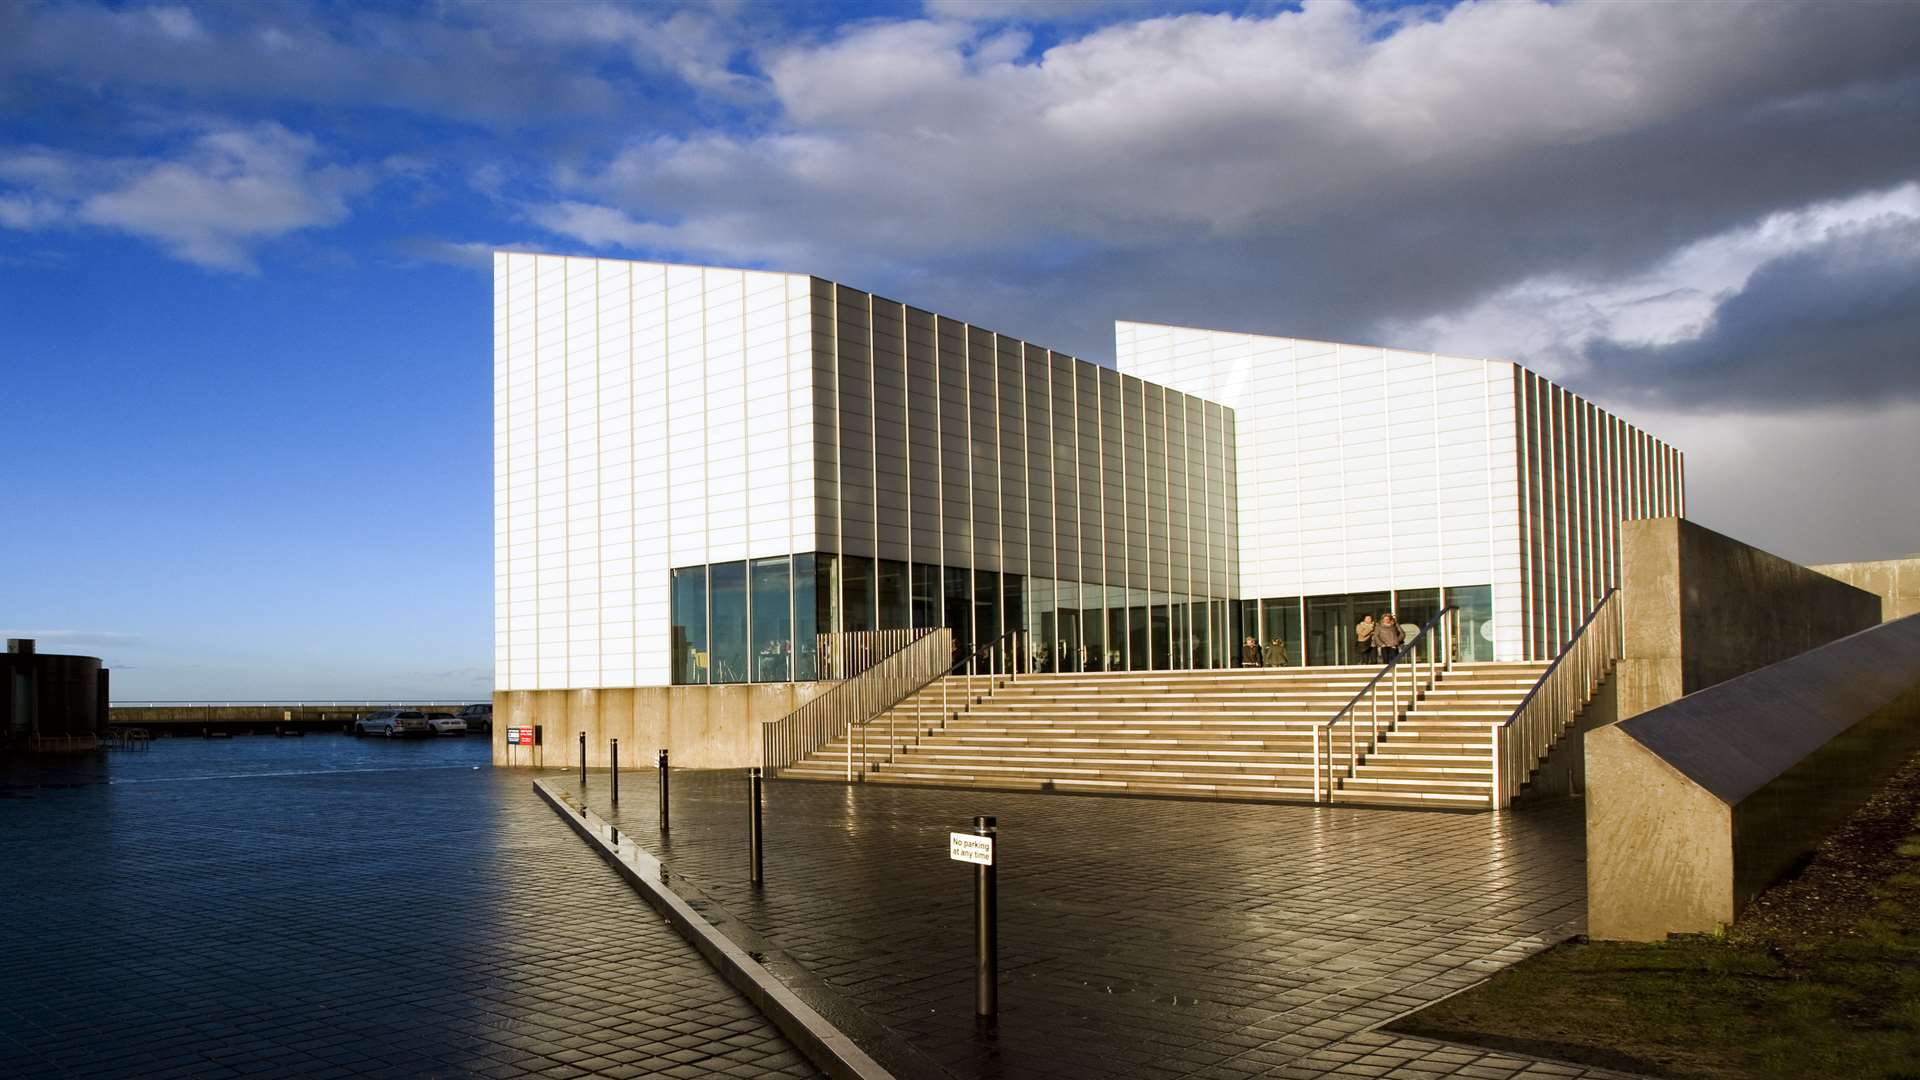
x,y
1694,807
701,727
1895,581
1702,608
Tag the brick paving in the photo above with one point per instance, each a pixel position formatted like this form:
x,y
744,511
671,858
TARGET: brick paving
x,y
1139,937
321,908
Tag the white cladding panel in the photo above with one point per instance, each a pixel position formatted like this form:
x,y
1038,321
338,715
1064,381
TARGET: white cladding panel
x,y
1360,469
646,416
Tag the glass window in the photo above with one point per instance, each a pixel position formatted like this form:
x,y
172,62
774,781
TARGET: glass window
x,y
960,609
1116,628
1138,658
1040,644
986,606
926,595
1092,655
689,602
1476,621
772,640
895,595
807,620
857,592
1013,599
1282,619
729,585
1182,654
1329,630
1162,637
1413,607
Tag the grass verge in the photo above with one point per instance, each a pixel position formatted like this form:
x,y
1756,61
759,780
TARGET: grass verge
x,y
1819,978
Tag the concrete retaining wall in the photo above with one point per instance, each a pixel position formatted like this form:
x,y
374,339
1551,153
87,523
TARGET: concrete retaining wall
x,y
1701,608
1895,581
701,727
1696,806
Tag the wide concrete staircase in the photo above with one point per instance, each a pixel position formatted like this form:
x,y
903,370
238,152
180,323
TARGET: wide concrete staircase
x,y
1240,734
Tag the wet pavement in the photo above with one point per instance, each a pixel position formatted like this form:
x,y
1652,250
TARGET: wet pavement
x,y
326,907
1138,937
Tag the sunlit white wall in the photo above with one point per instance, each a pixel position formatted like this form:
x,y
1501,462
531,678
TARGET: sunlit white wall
x,y
1360,468
645,416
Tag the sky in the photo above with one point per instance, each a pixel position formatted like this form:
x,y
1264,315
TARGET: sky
x,y
245,312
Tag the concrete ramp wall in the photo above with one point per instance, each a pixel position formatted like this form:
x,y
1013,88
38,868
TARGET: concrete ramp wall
x,y
1696,806
1701,607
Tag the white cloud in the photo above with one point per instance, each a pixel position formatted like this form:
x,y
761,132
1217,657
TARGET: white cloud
x,y
212,203
1552,319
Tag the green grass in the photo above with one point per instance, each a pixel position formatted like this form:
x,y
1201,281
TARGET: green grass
x,y
1823,980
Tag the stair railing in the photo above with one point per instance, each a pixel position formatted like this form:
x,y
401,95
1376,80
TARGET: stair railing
x,y
1439,640
834,712
993,661
1516,746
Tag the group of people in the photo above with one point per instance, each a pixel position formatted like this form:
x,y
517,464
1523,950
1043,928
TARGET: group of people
x,y
1378,640
1253,655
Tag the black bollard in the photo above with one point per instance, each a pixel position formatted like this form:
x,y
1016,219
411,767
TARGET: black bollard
x,y
753,827
663,791
986,932
613,768
583,766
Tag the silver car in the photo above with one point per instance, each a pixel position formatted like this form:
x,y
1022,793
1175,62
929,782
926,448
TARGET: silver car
x,y
393,723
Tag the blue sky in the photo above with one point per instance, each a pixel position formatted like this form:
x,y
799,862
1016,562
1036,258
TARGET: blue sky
x,y
244,313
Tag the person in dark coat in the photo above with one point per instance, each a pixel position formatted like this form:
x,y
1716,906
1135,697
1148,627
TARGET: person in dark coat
x,y
1250,653
1387,637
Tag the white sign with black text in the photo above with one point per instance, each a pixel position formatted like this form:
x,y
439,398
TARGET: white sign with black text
x,y
968,847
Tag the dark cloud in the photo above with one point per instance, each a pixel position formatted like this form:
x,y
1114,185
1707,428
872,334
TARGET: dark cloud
x,y
1835,325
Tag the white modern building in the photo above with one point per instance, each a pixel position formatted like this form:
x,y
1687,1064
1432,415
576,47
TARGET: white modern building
x,y
698,471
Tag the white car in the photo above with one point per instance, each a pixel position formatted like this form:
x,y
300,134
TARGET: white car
x,y
445,723
393,723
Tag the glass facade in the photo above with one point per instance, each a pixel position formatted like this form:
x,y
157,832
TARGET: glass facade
x,y
1319,630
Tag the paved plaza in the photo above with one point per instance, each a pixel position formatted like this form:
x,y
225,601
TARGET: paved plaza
x,y
1139,937
323,908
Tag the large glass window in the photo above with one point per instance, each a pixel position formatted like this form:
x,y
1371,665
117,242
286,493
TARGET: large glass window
x,y
729,607
1476,620
772,640
1413,607
895,596
1329,630
1092,655
1281,617
808,621
1040,624
1138,658
1162,635
856,591
986,606
926,595
960,609
1067,629
689,603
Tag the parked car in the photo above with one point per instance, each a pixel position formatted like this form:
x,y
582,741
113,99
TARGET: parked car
x,y
478,717
393,723
445,723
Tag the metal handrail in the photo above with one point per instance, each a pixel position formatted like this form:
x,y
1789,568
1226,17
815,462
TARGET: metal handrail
x,y
1001,656
833,712
1516,745
1441,635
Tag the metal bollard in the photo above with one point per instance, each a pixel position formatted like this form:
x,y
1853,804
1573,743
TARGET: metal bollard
x,y
754,874
613,768
663,791
986,933
583,766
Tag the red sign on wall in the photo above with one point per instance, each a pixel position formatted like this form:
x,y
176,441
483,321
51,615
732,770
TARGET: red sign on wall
x,y
519,736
